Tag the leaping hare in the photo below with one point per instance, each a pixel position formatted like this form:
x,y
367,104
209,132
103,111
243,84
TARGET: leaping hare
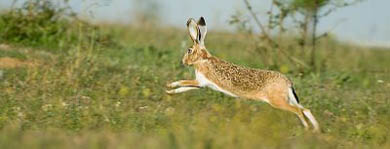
x,y
261,85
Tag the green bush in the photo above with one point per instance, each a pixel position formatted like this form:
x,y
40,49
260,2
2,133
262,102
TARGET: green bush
x,y
44,24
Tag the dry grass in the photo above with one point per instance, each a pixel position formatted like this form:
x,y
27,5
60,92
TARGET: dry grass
x,y
7,62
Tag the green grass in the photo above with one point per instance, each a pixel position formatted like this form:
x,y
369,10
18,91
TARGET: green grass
x,y
113,96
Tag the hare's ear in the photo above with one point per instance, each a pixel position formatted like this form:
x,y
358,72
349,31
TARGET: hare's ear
x,y
202,30
193,30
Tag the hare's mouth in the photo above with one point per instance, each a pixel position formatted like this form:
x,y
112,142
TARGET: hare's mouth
x,y
181,64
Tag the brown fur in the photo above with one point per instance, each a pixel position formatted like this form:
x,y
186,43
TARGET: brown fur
x,y
238,79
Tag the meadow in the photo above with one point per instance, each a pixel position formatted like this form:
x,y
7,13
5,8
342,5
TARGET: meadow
x,y
77,85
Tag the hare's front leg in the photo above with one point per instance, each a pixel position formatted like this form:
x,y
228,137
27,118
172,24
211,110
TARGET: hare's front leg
x,y
181,89
184,85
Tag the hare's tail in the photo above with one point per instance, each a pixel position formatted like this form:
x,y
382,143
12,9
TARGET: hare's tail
x,y
293,98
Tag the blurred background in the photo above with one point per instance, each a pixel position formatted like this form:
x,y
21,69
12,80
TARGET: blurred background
x,y
363,23
93,73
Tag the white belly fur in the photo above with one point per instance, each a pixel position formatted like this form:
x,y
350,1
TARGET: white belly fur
x,y
204,82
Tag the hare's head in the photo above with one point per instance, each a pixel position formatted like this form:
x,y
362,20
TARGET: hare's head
x,y
197,52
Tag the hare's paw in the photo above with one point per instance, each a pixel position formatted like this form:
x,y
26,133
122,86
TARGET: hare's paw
x,y
173,84
169,85
170,92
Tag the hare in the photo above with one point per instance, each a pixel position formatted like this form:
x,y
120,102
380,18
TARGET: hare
x,y
237,81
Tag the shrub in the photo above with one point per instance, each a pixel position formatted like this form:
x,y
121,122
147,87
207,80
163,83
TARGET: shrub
x,y
43,23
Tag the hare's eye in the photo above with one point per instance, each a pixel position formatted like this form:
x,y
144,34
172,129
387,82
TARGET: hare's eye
x,y
189,51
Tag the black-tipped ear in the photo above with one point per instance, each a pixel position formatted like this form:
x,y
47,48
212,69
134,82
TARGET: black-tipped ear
x,y
201,21
202,30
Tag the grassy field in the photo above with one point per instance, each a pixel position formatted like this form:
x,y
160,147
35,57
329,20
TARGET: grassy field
x,y
104,87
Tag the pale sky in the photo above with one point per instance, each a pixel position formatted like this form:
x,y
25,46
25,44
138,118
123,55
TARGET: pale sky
x,y
365,23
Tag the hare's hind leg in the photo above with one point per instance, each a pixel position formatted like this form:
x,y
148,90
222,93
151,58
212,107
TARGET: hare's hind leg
x,y
293,100
303,120
303,112
281,103
311,118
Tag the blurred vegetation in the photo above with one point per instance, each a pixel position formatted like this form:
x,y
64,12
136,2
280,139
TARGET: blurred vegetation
x,y
45,23
146,12
292,19
73,90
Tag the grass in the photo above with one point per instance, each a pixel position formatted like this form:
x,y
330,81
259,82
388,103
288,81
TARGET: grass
x,y
91,95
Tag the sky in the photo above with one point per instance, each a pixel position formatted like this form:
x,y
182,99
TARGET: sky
x,y
366,23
